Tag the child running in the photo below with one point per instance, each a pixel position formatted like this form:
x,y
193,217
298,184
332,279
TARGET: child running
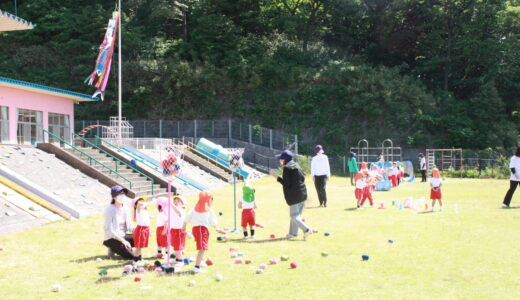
x,y
202,218
367,194
360,185
436,183
248,206
142,231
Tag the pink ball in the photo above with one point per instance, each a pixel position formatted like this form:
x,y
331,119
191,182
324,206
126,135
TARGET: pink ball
x,y
226,228
140,270
158,270
294,265
238,261
128,268
273,261
262,266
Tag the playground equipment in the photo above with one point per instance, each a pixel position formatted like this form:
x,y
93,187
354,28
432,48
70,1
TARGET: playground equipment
x,y
85,130
218,154
371,154
111,132
449,159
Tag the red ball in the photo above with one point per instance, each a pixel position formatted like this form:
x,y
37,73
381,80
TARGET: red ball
x,y
294,265
137,279
209,262
272,236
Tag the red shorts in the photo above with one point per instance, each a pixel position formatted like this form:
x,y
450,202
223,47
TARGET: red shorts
x,y
248,217
201,235
140,236
358,193
178,239
162,240
393,178
436,195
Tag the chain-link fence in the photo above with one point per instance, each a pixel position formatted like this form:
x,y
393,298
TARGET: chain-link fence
x,y
254,134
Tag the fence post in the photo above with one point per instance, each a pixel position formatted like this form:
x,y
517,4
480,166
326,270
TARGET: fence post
x,y
144,128
229,129
195,128
179,129
97,129
270,139
344,167
213,128
83,122
250,134
240,131
261,133
160,129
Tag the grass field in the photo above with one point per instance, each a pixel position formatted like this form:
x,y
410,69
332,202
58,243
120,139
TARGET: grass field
x,y
469,251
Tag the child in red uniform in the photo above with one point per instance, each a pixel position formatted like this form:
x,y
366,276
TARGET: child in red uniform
x,y
202,218
178,234
436,183
142,231
360,185
248,206
367,194
161,232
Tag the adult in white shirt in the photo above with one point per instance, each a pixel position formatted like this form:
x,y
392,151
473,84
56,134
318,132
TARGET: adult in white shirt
x,y
320,172
422,167
514,166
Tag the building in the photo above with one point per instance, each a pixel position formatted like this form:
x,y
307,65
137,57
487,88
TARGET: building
x,y
27,109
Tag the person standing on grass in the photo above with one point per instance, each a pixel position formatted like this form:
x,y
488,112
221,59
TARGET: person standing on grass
x,y
118,224
294,191
514,166
435,192
352,167
320,172
422,167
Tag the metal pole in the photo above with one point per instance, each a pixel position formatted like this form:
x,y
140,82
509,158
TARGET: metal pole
x,y
250,134
169,235
344,169
229,129
15,8
296,144
195,128
120,90
160,129
270,139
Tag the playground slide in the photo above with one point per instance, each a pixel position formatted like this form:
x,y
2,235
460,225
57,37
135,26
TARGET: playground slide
x,y
157,166
43,194
216,153
408,168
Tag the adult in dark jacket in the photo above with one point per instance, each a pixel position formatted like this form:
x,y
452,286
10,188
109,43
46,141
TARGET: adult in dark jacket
x,y
294,191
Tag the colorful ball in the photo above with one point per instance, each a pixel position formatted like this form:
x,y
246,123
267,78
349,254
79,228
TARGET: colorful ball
x,y
294,265
103,272
219,277
365,257
192,283
262,266
209,262
259,271
56,288
137,279
128,268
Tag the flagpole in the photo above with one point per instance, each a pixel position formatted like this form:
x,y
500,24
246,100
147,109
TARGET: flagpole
x,y
119,79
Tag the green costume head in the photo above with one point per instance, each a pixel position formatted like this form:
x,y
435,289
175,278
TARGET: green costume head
x,y
248,192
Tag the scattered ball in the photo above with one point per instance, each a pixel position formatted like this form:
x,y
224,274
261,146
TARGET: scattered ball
x,y
326,234
284,257
365,257
239,261
226,228
186,261
169,270
262,267
157,263
209,262
234,255
125,273
137,279
272,236
1,248
128,268
294,265
192,283
103,272
99,259
259,271
219,277
324,254
140,270
240,254
158,270
134,270
56,288
220,213
391,241
314,230
273,261
248,261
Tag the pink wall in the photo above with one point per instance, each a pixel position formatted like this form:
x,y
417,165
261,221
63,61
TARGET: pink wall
x,y
16,98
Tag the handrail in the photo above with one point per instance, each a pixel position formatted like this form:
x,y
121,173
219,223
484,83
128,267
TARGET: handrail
x,y
117,159
88,156
121,150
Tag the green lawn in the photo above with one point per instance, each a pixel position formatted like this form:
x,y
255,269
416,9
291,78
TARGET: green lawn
x,y
469,251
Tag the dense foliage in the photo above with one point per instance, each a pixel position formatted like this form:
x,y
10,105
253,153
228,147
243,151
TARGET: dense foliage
x,y
422,72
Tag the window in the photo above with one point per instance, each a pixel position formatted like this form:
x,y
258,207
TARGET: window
x,y
4,124
59,126
30,125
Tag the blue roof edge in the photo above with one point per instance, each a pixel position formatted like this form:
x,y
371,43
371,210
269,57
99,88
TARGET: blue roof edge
x,y
47,88
16,18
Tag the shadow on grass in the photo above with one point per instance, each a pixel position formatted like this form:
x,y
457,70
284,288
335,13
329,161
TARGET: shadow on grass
x,y
249,241
351,209
106,279
119,265
510,207
314,207
425,212
87,259
181,273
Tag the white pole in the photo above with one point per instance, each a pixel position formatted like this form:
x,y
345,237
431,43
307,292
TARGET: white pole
x,y
120,90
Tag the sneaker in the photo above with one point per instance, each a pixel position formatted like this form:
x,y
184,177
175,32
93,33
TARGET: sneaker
x,y
252,237
505,205
440,208
307,233
245,238
178,263
289,236
199,270
203,264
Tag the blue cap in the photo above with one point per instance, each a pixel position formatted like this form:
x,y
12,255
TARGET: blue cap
x,y
116,190
318,148
285,155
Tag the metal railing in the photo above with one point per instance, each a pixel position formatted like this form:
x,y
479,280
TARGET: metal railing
x,y
116,160
90,158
